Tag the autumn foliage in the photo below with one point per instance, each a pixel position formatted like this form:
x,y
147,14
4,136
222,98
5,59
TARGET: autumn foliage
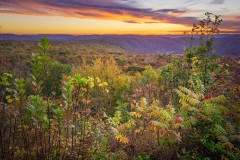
x,y
186,109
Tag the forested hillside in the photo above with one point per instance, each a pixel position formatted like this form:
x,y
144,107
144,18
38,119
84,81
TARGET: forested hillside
x,y
225,44
76,102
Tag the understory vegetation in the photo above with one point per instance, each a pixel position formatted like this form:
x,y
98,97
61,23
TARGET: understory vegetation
x,y
186,109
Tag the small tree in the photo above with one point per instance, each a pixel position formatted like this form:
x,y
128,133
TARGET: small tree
x,y
43,45
203,53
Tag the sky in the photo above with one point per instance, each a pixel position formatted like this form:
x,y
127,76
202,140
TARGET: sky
x,y
84,17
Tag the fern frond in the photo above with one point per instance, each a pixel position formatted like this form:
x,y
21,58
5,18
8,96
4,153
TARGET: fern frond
x,y
164,116
187,96
143,102
229,128
188,92
159,124
139,109
121,138
131,123
219,130
223,139
222,109
154,106
135,114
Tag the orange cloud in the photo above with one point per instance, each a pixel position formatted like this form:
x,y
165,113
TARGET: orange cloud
x,y
152,21
109,10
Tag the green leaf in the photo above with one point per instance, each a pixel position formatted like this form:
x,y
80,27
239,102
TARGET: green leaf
x,y
105,83
58,111
10,100
8,97
91,84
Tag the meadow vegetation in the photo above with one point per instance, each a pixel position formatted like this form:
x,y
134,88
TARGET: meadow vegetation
x,y
94,105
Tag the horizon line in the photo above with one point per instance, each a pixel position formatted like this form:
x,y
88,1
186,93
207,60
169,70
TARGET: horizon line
x,y
228,33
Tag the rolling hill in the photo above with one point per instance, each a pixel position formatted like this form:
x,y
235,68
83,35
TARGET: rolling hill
x,y
139,44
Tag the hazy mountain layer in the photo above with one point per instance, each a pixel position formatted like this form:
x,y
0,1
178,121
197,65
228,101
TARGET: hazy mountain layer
x,y
168,44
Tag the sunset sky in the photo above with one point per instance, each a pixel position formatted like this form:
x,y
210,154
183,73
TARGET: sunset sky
x,y
80,17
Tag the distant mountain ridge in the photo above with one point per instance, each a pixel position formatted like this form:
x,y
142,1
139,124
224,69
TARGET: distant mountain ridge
x,y
143,44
